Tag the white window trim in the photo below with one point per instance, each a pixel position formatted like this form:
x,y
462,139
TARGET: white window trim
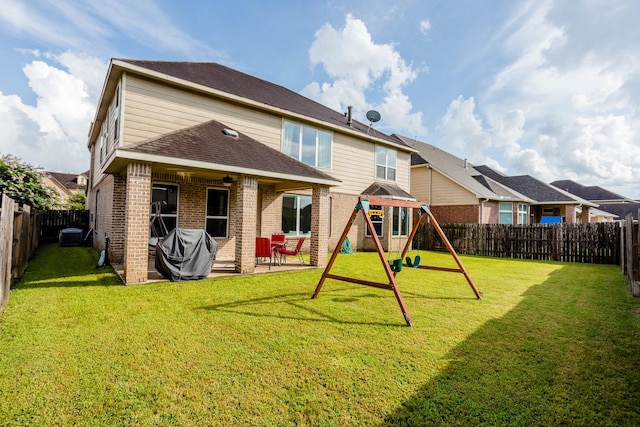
x,y
153,183
386,165
299,155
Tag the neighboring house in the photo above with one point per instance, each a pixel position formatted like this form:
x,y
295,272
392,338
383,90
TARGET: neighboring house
x,y
213,148
457,193
608,201
551,202
66,185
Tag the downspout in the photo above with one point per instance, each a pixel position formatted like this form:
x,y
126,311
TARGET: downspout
x,y
482,210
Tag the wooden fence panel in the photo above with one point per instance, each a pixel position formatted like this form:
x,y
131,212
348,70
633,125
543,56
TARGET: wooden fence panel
x,y
590,243
52,222
7,207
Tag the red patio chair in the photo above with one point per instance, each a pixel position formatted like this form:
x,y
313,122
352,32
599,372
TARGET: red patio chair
x,y
284,251
263,249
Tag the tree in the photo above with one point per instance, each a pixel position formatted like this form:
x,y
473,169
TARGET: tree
x,y
23,183
77,202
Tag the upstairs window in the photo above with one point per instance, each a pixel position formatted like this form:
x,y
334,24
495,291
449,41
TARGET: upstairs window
x,y
309,145
116,117
386,159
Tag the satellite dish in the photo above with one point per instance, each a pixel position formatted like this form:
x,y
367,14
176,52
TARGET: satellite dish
x,y
373,116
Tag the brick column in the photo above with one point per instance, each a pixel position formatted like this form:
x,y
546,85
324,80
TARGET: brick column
x,y
585,216
319,225
570,214
136,223
246,223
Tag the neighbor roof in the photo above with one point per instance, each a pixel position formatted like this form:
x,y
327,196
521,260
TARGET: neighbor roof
x,y
460,171
215,76
68,180
209,145
540,191
593,193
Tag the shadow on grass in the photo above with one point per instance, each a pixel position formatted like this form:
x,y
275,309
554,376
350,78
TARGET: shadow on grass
x,y
56,266
568,354
300,302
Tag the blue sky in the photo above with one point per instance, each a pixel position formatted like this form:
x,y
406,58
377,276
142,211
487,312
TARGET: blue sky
x,y
550,89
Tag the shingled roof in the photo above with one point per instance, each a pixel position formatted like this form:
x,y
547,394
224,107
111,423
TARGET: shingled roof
x,y
533,188
216,76
460,172
593,193
214,145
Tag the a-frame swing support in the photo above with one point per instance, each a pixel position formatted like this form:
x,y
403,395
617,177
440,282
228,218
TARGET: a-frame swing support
x,y
363,207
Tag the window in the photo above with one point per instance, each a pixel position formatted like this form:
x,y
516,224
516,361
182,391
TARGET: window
x,y
309,145
166,197
400,221
385,163
104,137
522,213
506,213
296,215
376,213
116,117
217,213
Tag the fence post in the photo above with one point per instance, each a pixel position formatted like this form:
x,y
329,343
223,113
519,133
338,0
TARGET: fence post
x,y
7,207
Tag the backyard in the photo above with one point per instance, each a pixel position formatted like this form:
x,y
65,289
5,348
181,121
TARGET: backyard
x,y
549,344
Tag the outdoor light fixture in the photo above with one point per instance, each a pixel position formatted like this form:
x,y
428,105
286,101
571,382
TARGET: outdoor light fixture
x,y
226,181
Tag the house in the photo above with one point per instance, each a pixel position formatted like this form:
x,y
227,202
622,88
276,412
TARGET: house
x,y
616,205
457,193
65,185
550,201
200,145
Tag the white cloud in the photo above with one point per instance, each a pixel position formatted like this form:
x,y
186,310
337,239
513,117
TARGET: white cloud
x,y
53,133
359,70
566,102
425,26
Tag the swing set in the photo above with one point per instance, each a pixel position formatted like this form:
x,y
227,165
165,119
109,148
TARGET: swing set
x,y
393,266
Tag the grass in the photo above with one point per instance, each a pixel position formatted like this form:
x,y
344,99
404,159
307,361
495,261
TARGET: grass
x,y
550,344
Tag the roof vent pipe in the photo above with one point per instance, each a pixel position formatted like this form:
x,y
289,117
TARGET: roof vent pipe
x,y
349,113
466,164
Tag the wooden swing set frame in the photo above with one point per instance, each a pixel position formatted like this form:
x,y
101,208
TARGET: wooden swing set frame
x,y
425,213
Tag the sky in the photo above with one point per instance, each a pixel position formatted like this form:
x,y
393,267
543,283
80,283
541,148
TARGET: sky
x,y
539,87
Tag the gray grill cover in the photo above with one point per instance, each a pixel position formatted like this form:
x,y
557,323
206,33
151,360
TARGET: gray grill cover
x,y
185,254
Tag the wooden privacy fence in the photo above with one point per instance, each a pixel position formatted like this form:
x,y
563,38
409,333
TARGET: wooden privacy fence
x,y
590,243
52,222
630,257
19,238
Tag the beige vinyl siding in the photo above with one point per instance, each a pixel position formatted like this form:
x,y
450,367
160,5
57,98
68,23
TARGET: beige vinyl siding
x,y
420,184
354,163
446,192
152,109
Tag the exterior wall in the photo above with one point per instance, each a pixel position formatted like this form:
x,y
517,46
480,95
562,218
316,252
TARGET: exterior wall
x,y
447,192
491,212
460,214
101,210
246,218
153,109
421,183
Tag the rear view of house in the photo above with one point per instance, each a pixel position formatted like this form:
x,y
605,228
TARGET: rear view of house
x,y
200,145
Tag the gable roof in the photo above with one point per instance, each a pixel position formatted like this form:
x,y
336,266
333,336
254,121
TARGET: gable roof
x,y
593,193
211,146
68,180
541,192
386,190
622,209
216,79
460,171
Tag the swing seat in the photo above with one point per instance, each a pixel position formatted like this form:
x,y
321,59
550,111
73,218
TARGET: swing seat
x,y
396,265
415,263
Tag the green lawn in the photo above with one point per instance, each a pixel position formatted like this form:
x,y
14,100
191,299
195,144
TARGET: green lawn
x,y
550,344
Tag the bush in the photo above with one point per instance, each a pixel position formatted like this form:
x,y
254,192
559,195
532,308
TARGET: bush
x,y
23,183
